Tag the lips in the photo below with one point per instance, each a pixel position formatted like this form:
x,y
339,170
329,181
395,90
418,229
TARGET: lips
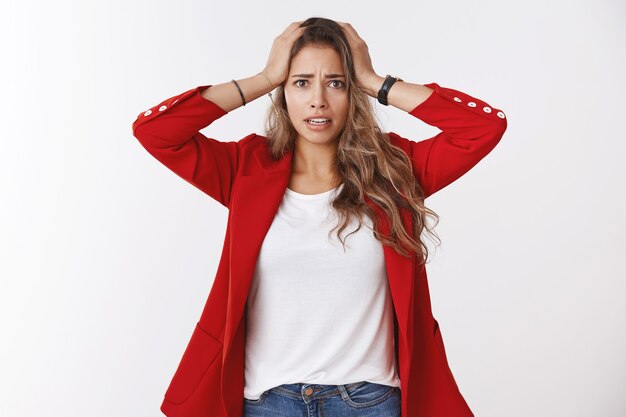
x,y
318,120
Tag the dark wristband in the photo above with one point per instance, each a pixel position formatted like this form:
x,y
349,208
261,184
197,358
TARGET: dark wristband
x,y
384,90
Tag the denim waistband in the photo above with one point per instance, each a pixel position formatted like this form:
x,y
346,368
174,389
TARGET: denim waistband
x,y
315,391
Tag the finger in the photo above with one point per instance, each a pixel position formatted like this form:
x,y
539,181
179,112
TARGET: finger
x,y
296,24
292,27
346,25
352,30
295,33
292,32
349,30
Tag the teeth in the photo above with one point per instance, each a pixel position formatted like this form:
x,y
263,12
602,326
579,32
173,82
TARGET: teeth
x,y
319,120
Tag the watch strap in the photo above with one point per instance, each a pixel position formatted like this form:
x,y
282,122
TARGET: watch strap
x,y
384,90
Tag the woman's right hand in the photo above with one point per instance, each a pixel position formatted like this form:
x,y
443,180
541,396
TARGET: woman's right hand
x,y
277,66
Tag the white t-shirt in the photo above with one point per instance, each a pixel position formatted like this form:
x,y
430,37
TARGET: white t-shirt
x,y
316,314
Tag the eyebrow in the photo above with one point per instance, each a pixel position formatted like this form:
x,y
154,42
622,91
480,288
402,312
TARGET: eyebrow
x,y
311,76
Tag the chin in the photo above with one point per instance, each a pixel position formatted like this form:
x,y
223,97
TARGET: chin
x,y
318,137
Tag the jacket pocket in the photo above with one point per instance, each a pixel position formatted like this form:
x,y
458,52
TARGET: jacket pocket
x,y
201,353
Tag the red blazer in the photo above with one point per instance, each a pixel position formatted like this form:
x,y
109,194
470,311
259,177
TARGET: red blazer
x,y
241,175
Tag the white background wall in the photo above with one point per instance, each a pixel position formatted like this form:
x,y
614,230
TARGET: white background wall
x,y
107,257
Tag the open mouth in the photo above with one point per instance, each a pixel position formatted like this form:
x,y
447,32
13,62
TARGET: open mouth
x,y
318,121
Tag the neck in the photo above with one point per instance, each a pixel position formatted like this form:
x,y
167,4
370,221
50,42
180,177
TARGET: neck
x,y
314,160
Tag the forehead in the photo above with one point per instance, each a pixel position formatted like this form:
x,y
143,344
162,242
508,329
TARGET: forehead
x,y
314,57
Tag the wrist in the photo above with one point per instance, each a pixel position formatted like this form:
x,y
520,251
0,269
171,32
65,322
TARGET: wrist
x,y
268,79
372,84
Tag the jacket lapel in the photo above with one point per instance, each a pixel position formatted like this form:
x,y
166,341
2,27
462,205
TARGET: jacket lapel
x,y
255,203
256,199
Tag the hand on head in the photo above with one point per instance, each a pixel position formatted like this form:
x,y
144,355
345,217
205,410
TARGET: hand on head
x,y
277,66
360,54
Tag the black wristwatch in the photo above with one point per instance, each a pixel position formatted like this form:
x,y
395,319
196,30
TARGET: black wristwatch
x,y
382,93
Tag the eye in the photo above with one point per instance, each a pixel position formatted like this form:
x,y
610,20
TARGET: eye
x,y
296,82
341,83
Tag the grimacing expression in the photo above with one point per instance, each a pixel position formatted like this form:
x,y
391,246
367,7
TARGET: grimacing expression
x,y
316,87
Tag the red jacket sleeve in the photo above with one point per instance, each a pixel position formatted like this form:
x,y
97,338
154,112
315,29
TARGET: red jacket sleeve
x,y
169,131
470,129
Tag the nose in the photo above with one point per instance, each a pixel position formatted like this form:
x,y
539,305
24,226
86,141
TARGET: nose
x,y
318,98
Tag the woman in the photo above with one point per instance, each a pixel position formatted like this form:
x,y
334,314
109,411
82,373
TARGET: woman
x,y
308,324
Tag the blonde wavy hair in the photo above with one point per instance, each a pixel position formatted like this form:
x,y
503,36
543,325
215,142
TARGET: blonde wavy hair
x,y
367,162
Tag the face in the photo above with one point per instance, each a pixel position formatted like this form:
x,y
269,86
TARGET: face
x,y
316,88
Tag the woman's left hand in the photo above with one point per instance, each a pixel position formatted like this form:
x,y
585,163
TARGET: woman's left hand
x,y
360,54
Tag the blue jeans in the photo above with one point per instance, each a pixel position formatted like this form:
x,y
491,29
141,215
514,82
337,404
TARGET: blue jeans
x,y
362,399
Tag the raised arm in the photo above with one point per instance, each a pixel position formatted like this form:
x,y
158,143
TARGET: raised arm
x,y
169,131
471,128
